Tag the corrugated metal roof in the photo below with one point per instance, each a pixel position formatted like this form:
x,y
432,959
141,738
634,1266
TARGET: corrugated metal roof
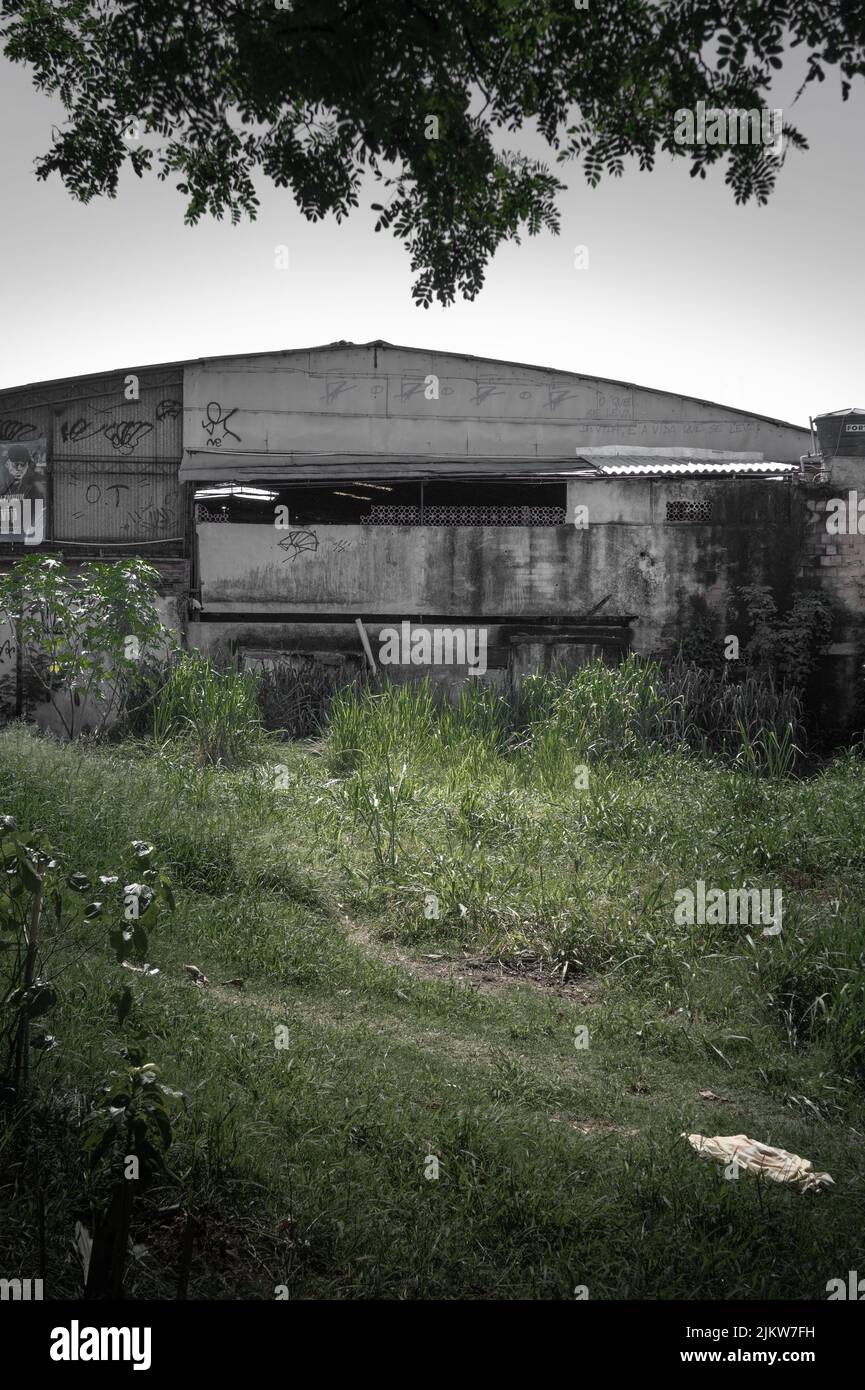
x,y
638,466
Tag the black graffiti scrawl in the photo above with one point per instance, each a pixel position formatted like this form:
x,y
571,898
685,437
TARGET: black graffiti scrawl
x,y
17,431
215,425
298,543
124,436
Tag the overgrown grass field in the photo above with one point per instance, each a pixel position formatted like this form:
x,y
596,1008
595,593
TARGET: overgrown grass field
x,y
442,939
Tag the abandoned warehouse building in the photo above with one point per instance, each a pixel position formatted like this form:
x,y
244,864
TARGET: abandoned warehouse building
x,y
284,496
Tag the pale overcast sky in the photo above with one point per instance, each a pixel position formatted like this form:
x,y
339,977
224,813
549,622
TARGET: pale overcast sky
x,y
755,307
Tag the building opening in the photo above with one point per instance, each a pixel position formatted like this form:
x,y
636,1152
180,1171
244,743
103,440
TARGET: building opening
x,y
440,502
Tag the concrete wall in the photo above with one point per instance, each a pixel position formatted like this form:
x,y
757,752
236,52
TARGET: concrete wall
x,y
834,565
628,561
509,650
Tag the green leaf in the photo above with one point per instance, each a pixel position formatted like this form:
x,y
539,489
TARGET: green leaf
x,y
120,943
123,1003
43,998
29,877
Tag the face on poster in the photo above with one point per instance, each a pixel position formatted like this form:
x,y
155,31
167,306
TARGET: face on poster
x,y
23,489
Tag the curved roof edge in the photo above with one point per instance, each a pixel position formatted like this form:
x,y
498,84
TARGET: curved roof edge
x,y
399,347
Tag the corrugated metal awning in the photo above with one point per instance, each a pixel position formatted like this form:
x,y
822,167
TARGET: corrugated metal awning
x,y
208,466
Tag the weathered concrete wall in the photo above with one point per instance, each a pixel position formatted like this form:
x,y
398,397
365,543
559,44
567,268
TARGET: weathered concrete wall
x,y
400,570
670,573
629,560
834,565
509,651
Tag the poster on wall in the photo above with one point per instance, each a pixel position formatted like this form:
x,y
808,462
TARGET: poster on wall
x,y
23,491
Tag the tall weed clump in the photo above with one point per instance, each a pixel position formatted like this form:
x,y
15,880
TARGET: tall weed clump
x,y
378,727
756,720
814,982
215,710
600,712
295,698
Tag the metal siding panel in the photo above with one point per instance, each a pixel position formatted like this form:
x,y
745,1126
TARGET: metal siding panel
x,y
24,425
103,501
110,427
113,463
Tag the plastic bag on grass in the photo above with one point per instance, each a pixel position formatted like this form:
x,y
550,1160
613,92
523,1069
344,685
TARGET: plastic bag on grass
x,y
761,1160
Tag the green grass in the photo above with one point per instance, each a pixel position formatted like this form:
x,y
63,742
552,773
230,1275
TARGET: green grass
x,y
214,710
559,1166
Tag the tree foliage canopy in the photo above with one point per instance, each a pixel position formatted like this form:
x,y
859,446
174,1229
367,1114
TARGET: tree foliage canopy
x,y
317,95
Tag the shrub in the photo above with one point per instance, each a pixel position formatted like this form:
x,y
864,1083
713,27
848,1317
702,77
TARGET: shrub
x,y
785,645
82,637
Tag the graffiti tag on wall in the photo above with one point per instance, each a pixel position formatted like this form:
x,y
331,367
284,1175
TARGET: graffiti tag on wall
x,y
129,509
298,543
124,436
17,431
216,425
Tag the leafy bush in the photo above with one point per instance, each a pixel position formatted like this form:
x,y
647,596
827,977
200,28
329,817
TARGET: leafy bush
x,y
785,645
46,910
82,637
